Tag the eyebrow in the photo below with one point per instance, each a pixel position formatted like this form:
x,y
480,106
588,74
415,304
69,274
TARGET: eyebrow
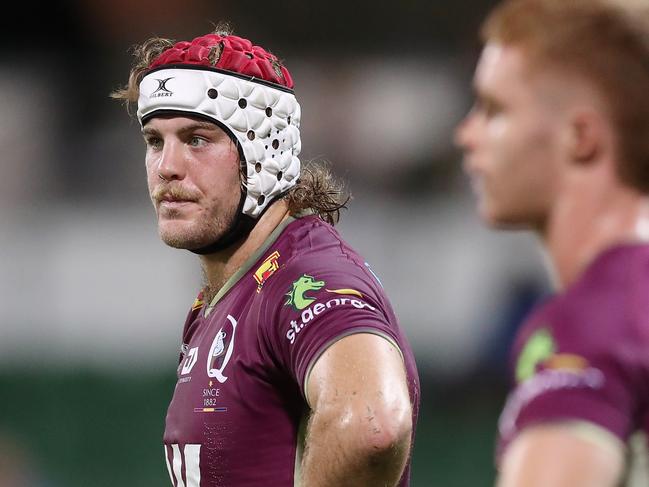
x,y
184,130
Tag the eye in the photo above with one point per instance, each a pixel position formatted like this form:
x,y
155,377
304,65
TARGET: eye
x,y
196,141
153,142
488,107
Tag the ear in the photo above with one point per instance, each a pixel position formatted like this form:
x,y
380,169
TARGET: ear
x,y
587,137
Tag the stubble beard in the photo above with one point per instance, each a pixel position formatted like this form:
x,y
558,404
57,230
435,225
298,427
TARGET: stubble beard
x,y
199,233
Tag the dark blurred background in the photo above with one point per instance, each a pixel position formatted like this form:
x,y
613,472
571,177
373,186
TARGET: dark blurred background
x,y
91,303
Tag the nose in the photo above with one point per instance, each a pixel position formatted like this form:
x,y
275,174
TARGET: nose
x,y
171,165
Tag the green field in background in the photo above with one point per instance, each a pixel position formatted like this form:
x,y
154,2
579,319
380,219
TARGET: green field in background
x,y
80,429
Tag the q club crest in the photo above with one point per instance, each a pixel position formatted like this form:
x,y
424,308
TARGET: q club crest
x,y
221,350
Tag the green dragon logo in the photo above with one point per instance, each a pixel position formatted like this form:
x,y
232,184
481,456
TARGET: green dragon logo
x,y
296,296
539,347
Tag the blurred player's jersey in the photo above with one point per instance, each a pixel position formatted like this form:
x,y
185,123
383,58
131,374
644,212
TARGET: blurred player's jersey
x,y
237,417
584,354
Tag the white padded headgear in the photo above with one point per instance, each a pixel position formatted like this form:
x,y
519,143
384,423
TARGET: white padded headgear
x,y
263,118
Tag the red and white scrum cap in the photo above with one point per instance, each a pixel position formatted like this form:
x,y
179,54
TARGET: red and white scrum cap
x,y
243,89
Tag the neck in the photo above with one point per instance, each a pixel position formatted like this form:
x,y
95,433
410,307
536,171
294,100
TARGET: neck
x,y
587,220
220,266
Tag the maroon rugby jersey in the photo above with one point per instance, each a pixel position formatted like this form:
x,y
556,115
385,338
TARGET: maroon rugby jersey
x,y
584,354
237,417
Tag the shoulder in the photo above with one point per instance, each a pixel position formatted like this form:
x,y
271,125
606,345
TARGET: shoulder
x,y
320,292
315,257
310,236
582,354
310,270
607,306
601,319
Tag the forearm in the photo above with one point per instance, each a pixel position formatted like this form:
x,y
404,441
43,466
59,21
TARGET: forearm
x,y
356,450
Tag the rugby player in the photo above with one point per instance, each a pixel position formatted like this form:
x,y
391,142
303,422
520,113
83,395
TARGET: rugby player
x,y
558,142
293,369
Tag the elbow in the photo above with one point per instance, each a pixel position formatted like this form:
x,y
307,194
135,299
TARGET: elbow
x,y
372,441
387,431
367,429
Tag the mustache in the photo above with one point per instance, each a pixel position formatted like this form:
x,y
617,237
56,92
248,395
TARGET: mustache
x,y
174,192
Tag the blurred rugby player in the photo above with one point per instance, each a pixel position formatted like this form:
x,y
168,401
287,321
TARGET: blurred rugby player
x,y
558,142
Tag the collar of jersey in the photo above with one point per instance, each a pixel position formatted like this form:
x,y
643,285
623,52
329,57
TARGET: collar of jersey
x,y
251,260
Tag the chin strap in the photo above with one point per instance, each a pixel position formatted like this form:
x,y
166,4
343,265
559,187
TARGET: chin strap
x,y
240,228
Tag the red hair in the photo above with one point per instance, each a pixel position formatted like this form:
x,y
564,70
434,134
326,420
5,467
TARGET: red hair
x,y
605,42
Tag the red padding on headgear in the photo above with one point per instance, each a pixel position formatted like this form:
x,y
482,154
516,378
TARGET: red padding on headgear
x,y
238,55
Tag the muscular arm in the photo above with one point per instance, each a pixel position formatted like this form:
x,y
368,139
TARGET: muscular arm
x,y
360,424
563,455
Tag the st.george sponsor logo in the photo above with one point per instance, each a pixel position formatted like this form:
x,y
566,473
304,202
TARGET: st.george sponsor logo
x,y
538,348
297,297
312,311
541,352
300,297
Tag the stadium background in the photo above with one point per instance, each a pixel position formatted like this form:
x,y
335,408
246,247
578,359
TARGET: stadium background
x,y
91,303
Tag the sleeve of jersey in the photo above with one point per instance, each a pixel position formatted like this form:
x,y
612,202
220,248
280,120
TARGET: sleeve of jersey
x,y
315,308
589,378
